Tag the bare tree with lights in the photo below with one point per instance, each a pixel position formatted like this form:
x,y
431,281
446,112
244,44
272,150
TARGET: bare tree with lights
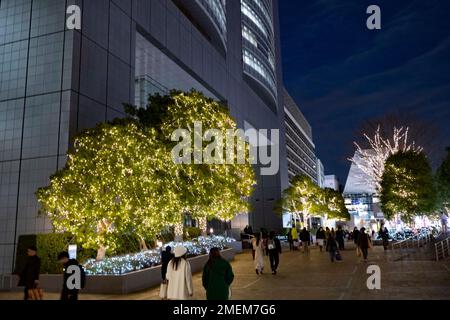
x,y
371,160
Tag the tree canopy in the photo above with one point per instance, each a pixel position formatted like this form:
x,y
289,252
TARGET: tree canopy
x,y
207,190
408,186
303,195
443,180
117,180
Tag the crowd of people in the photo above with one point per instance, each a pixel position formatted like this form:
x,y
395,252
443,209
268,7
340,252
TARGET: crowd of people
x,y
217,274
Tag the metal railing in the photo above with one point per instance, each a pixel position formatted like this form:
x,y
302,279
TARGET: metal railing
x,y
442,249
411,243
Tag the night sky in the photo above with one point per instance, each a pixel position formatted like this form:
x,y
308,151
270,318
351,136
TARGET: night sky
x,y
340,73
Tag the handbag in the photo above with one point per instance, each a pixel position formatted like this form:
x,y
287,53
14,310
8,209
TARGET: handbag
x,y
358,252
338,256
35,294
163,290
370,244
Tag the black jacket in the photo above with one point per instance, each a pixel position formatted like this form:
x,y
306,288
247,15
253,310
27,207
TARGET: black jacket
x,y
277,245
71,262
339,235
332,245
305,236
165,259
30,272
320,234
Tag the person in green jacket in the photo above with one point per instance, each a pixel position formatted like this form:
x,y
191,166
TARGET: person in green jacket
x,y
217,276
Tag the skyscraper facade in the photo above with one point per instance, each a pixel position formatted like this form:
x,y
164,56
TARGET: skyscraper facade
x,y
300,148
55,82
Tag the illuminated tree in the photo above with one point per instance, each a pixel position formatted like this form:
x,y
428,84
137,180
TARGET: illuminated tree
x,y
304,196
206,190
407,186
117,181
443,180
371,159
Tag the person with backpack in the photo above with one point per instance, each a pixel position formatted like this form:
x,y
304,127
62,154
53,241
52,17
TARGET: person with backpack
x,y
274,251
68,293
217,276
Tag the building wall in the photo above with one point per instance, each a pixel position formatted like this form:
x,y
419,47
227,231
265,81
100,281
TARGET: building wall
x,y
332,182
55,83
300,148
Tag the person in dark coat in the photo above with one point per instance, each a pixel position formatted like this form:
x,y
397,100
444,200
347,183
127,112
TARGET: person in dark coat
x,y
320,238
340,237
305,237
68,294
29,277
332,246
384,233
217,276
363,242
274,251
355,235
290,240
166,256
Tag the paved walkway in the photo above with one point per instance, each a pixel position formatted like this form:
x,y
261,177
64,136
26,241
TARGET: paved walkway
x,y
313,276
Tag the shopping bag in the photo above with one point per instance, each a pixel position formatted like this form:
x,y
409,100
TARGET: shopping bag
x,y
163,290
230,293
370,244
338,256
35,294
358,252
296,243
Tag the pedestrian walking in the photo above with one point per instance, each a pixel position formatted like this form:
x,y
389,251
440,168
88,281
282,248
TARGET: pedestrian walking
x,y
384,234
259,254
217,276
274,249
332,247
327,235
364,243
29,276
179,276
320,238
340,237
305,237
166,256
290,241
294,235
70,294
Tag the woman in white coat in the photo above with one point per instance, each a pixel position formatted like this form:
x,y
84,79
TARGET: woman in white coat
x,y
179,276
258,246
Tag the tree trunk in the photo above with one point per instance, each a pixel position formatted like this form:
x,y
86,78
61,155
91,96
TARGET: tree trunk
x,y
142,245
178,232
203,225
101,253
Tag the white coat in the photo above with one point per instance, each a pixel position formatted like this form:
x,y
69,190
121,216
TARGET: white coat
x,y
259,255
180,281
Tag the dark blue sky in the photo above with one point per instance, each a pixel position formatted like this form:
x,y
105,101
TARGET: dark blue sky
x,y
340,73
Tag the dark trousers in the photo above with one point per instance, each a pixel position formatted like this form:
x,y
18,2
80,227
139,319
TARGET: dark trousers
x,y
341,244
291,245
364,252
332,255
69,295
25,293
274,258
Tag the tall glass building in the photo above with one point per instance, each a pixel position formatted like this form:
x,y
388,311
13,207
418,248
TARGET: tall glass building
x,y
55,82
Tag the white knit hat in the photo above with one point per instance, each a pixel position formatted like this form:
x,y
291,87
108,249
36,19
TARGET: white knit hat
x,y
179,251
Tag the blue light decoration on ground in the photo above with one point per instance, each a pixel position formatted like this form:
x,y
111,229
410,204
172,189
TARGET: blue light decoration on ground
x,y
150,258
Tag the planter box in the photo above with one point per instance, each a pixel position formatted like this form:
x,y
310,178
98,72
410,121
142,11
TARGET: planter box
x,y
126,283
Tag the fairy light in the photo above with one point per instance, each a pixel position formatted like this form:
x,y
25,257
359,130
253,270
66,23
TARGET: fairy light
x,y
146,259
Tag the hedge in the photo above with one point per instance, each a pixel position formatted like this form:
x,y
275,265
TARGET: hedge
x,y
48,246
